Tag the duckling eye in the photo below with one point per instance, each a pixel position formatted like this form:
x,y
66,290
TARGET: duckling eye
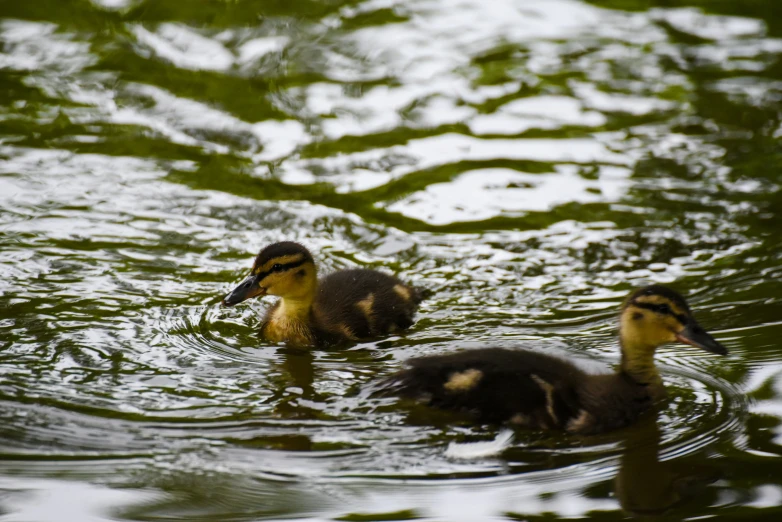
x,y
277,267
664,309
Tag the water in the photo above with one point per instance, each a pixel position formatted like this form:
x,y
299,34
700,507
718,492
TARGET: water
x,y
530,161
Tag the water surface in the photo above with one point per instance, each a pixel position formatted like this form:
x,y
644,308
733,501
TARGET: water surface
x,y
529,161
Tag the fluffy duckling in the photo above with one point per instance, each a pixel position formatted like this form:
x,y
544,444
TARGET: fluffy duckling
x,y
542,391
347,305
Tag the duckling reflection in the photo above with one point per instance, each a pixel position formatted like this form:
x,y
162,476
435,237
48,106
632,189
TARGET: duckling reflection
x,y
301,370
644,486
347,305
297,385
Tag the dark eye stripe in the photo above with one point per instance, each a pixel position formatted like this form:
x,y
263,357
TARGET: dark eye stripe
x,y
287,266
662,309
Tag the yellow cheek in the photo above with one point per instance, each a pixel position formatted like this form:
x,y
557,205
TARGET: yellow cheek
x,y
277,284
656,331
666,332
670,336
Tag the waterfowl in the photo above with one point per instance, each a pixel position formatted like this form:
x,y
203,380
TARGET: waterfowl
x,y
542,391
347,305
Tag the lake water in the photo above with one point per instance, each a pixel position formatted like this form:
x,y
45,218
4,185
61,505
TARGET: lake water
x,y
530,161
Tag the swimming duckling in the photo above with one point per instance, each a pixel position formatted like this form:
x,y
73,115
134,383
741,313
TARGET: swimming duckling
x,y
542,391
347,305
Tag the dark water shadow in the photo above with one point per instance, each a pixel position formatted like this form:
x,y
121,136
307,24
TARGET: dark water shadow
x,y
647,486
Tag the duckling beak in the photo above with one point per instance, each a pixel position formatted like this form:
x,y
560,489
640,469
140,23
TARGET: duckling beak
x,y
696,336
248,289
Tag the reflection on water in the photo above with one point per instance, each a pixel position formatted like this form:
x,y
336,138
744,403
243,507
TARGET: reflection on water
x,y
646,486
528,161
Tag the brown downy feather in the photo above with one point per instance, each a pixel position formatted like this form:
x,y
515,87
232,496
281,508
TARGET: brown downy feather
x,y
360,304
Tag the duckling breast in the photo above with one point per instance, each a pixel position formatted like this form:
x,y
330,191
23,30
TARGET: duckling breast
x,y
610,402
279,327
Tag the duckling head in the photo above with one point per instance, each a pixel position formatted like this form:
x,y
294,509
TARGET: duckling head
x,y
656,315
284,269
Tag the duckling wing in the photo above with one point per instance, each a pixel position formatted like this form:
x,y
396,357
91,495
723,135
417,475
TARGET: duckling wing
x,y
355,304
495,385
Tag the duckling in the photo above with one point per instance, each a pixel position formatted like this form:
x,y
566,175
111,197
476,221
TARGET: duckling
x,y
347,305
540,391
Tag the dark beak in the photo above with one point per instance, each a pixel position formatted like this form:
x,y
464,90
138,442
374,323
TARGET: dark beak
x,y
696,336
248,289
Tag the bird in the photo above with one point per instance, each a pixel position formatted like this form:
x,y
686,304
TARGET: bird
x,y
347,305
546,392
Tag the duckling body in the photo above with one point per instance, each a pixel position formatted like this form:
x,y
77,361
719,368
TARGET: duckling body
x,y
541,391
525,388
347,305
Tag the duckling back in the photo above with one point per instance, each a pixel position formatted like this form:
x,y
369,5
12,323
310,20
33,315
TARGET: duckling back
x,y
532,389
357,304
